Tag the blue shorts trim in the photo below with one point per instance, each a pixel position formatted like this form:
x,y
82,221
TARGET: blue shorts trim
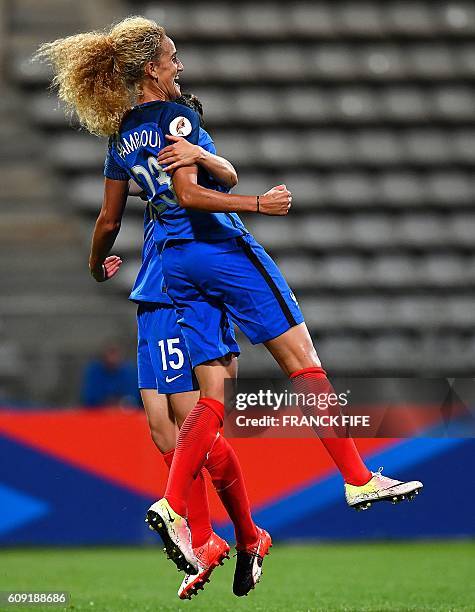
x,y
163,361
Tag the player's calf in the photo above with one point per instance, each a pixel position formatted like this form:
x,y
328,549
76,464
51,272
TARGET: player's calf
x,y
380,488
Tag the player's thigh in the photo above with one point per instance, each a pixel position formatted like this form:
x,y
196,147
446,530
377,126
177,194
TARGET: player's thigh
x,y
294,350
161,420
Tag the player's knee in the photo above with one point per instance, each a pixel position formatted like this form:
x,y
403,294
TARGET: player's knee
x,y
164,441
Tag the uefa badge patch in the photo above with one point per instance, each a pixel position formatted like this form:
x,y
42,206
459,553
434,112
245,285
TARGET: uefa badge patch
x,y
180,126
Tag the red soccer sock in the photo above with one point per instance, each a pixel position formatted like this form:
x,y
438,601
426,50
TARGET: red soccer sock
x,y
195,439
198,507
343,451
226,474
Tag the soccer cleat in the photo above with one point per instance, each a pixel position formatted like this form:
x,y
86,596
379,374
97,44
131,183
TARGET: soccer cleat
x,y
175,533
380,488
248,570
209,556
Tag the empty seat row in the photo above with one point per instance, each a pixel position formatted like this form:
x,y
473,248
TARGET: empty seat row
x,y
324,147
384,272
382,354
330,62
291,62
316,19
372,313
363,230
308,105
329,147
397,354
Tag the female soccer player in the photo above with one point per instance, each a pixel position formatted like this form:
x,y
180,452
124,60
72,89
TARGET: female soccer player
x,y
166,380
212,266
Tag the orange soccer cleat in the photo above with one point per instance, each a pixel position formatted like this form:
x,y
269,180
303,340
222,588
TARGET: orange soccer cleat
x,y
209,556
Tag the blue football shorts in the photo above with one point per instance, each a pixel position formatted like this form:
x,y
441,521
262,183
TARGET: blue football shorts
x,y
162,357
212,282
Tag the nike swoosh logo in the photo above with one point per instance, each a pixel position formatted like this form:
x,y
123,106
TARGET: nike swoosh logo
x,y
169,380
172,520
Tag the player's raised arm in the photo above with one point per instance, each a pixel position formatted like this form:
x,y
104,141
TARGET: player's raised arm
x,y
182,153
276,201
106,229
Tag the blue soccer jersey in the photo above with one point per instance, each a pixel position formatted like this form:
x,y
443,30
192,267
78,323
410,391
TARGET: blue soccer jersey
x,y
149,286
162,356
133,154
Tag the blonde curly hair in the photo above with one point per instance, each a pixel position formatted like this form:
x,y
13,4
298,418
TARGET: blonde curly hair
x,y
98,74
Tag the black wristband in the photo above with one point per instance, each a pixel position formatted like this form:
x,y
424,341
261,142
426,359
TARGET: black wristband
x,y
257,197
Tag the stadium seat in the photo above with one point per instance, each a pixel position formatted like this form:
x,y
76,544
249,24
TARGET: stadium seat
x,y
359,19
357,105
455,103
232,63
281,148
464,145
457,18
442,270
333,61
408,19
211,20
406,104
320,232
255,104
327,147
450,187
305,105
383,62
432,61
280,62
370,231
76,152
45,111
300,271
421,230
401,188
217,104
352,189
394,271
427,147
466,59
342,271
261,20
275,232
377,147
311,19
461,230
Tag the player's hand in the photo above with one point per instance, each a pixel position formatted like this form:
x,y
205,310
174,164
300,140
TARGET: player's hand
x,y
276,201
109,268
180,153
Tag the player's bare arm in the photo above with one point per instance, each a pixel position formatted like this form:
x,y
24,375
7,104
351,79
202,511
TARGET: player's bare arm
x,y
183,153
101,265
276,201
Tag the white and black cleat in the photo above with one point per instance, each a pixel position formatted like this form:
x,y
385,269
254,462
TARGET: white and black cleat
x,y
175,533
380,488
